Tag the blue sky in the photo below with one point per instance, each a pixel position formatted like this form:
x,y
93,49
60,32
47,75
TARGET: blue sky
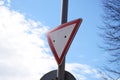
x,y
49,13
24,51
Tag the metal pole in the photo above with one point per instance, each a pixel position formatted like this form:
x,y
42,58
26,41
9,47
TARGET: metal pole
x,y
61,68
64,11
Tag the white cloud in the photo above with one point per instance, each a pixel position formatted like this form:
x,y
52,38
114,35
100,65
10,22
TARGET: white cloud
x,y
81,70
1,2
23,51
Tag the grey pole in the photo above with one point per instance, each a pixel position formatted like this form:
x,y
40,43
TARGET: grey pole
x,y
61,67
64,11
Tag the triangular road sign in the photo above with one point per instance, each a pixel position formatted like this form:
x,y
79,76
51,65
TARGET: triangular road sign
x,y
61,38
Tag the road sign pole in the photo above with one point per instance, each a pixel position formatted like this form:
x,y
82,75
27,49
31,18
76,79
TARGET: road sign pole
x,y
64,11
61,67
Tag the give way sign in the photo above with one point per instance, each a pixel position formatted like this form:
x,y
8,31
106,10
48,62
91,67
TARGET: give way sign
x,y
61,37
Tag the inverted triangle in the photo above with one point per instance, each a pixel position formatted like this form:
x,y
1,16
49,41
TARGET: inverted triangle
x,y
61,37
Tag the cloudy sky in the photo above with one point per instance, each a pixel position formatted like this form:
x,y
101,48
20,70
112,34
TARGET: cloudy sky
x,y
24,51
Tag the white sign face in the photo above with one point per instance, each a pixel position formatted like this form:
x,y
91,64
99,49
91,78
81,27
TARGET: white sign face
x,y
61,37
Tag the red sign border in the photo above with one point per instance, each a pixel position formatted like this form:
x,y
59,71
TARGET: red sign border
x,y
59,60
